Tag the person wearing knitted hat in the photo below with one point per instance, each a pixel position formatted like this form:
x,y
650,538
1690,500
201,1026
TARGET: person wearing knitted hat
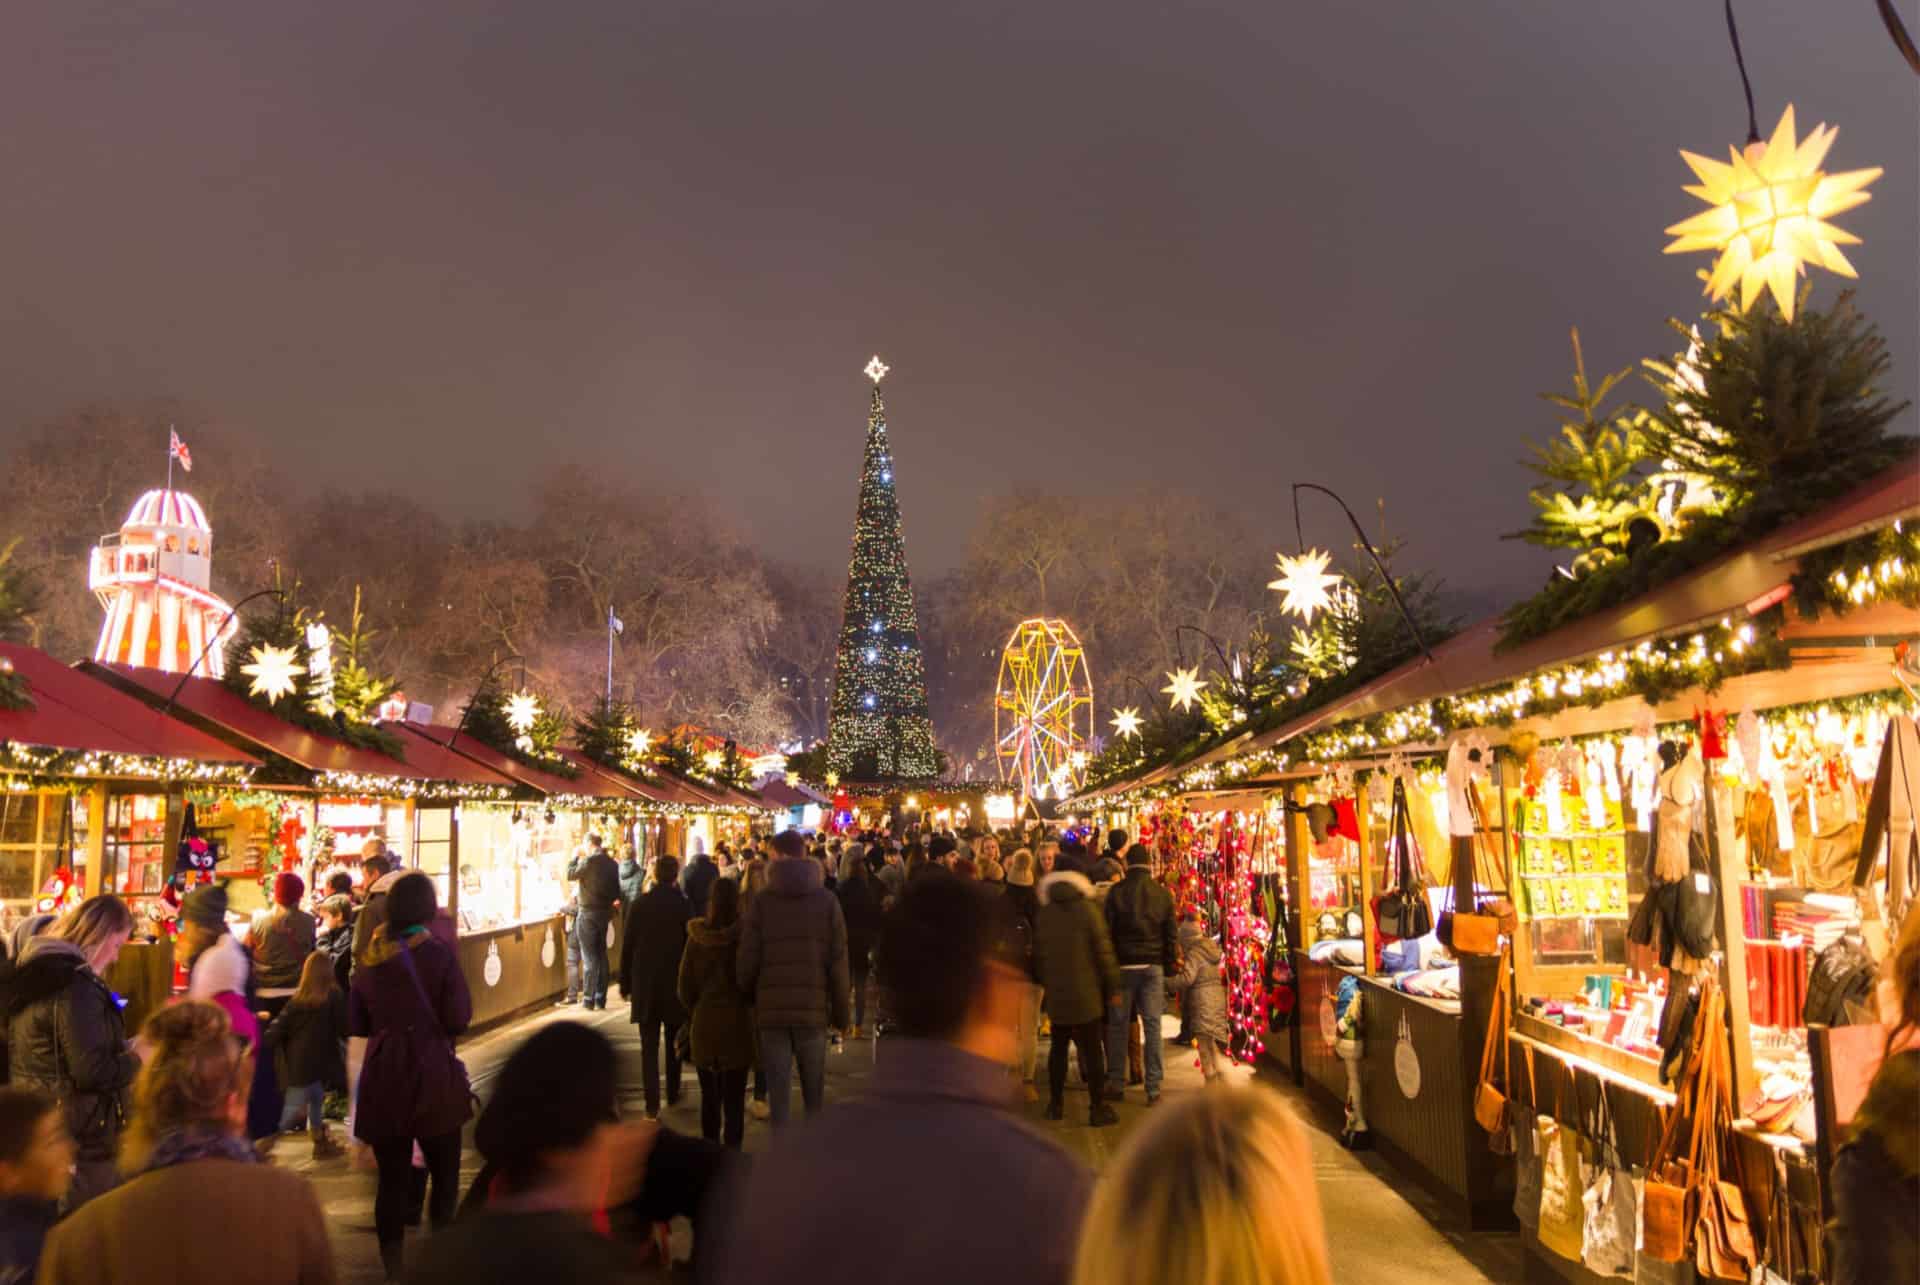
x,y
280,938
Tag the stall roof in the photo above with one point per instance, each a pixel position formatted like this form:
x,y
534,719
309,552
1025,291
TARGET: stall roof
x,y
1471,660
234,717
437,736
781,795
655,790
75,711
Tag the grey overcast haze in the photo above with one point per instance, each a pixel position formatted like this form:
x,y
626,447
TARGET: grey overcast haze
x,y
1104,246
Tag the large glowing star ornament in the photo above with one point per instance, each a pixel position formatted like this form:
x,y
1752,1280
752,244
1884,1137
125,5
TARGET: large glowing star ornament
x,y
1126,722
1183,686
1770,206
712,760
638,741
273,672
1306,583
523,711
876,369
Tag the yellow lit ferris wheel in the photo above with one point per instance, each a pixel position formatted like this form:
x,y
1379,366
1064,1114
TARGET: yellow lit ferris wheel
x,y
1043,709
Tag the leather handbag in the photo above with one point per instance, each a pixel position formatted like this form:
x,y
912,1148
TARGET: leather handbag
x,y
1523,1125
1723,1245
1403,911
1491,1108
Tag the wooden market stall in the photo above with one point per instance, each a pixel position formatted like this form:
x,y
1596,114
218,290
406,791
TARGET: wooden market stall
x,y
92,791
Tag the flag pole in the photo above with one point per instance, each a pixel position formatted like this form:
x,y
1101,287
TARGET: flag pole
x,y
609,655
169,457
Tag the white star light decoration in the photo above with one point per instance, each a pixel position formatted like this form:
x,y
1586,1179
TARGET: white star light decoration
x,y
833,780
523,711
273,672
712,760
1126,722
1305,582
876,370
638,742
1183,686
1770,206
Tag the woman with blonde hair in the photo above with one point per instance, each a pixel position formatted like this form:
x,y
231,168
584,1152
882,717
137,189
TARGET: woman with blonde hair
x,y
65,1036
1214,1190
185,1148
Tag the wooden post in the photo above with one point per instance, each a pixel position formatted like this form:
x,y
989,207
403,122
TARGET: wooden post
x,y
1522,932
1363,815
1733,939
96,839
453,869
1299,859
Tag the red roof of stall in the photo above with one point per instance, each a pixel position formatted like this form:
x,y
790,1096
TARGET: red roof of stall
x,y
651,790
75,711
235,716
464,745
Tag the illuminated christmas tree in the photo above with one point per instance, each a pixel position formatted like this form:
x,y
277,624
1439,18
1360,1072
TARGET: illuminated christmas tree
x,y
879,728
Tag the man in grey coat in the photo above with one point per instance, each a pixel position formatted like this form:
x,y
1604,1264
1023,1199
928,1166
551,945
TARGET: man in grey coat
x,y
793,964
972,1192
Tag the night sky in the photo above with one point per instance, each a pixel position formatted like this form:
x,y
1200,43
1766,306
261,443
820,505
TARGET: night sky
x,y
1103,245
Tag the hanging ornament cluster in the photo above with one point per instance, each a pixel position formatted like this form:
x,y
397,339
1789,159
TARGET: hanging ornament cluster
x,y
1769,209
1305,582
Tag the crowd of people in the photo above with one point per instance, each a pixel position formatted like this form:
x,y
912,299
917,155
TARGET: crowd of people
x,y
115,1152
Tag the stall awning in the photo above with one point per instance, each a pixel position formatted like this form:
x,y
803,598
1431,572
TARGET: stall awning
x,y
76,711
653,790
546,784
233,718
779,794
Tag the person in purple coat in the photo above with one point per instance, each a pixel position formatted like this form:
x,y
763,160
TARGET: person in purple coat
x,y
410,1000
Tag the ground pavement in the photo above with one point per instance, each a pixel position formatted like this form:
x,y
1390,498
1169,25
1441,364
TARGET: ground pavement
x,y
1378,1225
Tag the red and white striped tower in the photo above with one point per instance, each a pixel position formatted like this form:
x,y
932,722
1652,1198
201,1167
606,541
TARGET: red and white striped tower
x,y
153,580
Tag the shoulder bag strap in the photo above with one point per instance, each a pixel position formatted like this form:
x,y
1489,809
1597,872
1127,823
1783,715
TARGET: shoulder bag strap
x,y
1398,836
1496,1038
420,989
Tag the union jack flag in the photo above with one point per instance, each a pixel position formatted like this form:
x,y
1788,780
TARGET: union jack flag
x,y
178,450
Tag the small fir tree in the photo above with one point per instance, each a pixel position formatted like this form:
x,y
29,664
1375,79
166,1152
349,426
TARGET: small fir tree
x,y
1592,466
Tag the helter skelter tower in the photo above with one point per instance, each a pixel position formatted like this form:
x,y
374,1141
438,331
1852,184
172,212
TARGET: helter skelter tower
x,y
153,580
878,726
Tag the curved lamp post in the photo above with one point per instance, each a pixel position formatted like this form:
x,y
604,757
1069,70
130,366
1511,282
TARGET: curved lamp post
x,y
1366,544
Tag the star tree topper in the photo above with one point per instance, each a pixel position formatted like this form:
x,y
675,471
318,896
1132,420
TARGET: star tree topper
x,y
1305,582
1183,686
1126,722
273,672
1770,206
523,710
876,369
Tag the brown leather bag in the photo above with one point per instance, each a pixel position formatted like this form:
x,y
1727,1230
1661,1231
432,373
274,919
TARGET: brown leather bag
x,y
1670,1199
1491,1110
1724,1248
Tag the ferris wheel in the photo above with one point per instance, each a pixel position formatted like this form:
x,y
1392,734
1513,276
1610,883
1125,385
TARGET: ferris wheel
x,y
1043,709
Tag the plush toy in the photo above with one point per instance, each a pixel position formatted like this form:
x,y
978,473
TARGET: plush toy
x,y
57,893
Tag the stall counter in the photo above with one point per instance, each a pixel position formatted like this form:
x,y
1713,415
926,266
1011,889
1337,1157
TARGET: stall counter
x,y
510,970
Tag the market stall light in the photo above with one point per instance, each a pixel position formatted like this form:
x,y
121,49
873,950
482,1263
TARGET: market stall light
x,y
712,760
1305,583
1126,722
1183,687
273,671
1768,216
523,711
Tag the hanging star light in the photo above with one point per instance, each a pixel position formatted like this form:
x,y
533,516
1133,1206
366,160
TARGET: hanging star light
x,y
273,672
638,742
1183,686
1305,582
833,780
1126,722
712,760
793,779
523,711
1770,206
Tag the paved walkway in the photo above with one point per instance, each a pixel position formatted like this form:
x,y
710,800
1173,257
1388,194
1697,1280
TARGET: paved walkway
x,y
1377,1221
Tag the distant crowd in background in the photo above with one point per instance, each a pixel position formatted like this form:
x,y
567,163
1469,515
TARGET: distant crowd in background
x,y
149,1160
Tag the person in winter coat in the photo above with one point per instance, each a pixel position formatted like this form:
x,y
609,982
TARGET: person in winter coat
x,y
410,1000
633,875
197,1205
696,881
1203,996
36,1168
1074,961
280,939
65,1036
1876,1175
793,962
308,1043
1025,903
336,938
599,880
722,1036
1140,920
860,907
218,969
656,934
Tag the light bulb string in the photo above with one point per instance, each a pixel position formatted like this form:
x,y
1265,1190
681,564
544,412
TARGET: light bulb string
x,y
1746,85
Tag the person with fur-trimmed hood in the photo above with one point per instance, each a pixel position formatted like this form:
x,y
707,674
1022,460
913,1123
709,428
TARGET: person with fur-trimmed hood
x,y
1074,961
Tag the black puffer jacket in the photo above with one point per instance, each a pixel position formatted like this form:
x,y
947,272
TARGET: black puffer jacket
x,y
1140,918
793,949
65,1037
